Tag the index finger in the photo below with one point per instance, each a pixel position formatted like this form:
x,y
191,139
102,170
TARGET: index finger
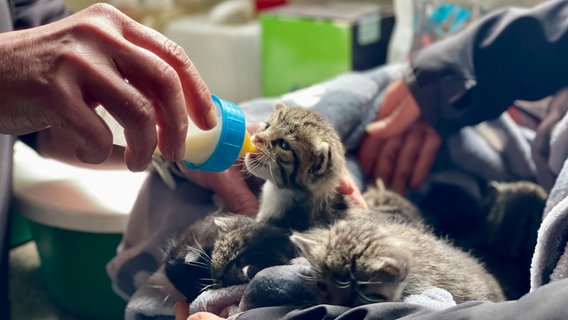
x,y
394,94
397,120
197,96
349,188
426,157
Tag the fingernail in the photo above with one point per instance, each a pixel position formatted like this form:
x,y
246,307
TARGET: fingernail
x,y
179,154
362,202
211,119
90,156
137,167
374,126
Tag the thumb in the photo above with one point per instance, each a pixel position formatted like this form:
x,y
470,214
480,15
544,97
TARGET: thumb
x,y
348,187
237,195
241,200
204,316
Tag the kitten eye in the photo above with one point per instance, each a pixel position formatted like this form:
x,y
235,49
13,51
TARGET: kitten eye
x,y
376,297
283,144
250,271
245,270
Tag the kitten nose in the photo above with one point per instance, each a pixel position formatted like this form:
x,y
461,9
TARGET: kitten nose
x,y
259,141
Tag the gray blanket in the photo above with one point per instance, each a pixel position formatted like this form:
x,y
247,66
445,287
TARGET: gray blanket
x,y
494,150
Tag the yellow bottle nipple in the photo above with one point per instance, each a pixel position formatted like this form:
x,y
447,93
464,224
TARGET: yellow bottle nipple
x,y
248,146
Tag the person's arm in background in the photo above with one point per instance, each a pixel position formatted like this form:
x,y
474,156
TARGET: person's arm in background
x,y
463,80
33,13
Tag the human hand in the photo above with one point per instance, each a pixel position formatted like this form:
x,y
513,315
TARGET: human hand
x,y
55,75
349,188
230,185
399,147
182,313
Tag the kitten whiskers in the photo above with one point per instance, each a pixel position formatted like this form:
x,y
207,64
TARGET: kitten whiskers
x,y
366,299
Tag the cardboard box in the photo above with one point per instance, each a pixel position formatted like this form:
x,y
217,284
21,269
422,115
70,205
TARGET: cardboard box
x,y
302,44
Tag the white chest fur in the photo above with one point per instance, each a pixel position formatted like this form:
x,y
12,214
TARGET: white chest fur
x,y
274,202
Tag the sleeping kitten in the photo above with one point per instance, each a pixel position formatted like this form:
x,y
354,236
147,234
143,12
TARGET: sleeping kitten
x,y
365,260
302,158
222,250
246,248
387,205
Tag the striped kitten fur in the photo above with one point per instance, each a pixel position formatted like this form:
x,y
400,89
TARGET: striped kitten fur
x,y
372,259
301,157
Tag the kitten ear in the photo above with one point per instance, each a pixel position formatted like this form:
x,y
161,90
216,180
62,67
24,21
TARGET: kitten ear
x,y
225,224
280,105
392,269
380,184
308,244
322,158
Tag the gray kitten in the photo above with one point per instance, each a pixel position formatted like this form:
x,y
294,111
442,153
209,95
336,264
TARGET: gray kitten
x,y
246,248
221,250
301,157
366,260
387,205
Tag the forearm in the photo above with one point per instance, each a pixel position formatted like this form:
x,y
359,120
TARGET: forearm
x,y
474,76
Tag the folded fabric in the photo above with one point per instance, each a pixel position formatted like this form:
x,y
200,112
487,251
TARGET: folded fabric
x,y
287,286
273,286
434,298
223,302
279,286
549,260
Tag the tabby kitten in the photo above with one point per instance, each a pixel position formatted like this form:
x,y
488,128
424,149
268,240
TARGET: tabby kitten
x,y
246,248
223,250
387,205
301,157
364,260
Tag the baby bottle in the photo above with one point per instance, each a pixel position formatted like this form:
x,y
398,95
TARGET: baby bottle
x,y
213,150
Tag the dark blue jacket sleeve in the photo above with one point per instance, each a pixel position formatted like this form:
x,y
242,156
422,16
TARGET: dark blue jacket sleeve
x,y
513,54
33,13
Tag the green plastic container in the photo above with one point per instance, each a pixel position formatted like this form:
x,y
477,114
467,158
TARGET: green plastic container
x,y
76,217
20,231
303,44
297,52
73,270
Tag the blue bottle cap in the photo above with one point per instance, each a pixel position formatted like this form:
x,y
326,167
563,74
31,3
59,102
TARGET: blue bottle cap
x,y
233,128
